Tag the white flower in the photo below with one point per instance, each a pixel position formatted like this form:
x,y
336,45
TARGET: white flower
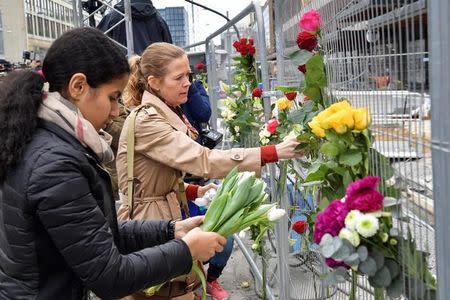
x,y
350,235
264,133
242,234
367,225
202,202
237,128
275,214
254,246
265,141
350,219
231,138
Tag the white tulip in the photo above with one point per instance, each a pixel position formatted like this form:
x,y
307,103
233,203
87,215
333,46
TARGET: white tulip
x,y
275,214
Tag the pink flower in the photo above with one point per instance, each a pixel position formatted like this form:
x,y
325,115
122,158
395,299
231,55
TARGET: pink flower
x,y
272,125
363,196
334,263
310,21
330,220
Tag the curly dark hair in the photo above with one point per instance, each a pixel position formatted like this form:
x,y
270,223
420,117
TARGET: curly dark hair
x,y
82,50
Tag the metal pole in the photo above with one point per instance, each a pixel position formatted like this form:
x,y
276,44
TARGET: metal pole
x,y
212,80
253,266
262,56
75,13
279,42
129,28
439,43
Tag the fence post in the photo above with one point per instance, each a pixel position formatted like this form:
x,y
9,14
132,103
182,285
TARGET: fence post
x,y
211,68
439,46
129,28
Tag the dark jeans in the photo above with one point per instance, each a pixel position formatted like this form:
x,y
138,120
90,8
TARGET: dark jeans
x,y
218,262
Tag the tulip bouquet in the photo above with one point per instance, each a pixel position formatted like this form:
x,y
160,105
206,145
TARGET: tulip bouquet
x,y
357,233
237,205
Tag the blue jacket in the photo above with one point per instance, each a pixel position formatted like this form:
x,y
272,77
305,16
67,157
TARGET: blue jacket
x,y
197,108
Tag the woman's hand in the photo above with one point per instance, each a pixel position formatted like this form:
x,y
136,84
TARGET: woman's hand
x,y
183,227
285,149
203,189
203,245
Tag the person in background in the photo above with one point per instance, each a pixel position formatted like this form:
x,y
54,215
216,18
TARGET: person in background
x,y
59,234
165,146
148,25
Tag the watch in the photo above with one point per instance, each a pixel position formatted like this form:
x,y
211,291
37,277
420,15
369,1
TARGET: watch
x,y
171,230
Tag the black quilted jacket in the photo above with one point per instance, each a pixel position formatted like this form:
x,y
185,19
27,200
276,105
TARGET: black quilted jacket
x,y
59,235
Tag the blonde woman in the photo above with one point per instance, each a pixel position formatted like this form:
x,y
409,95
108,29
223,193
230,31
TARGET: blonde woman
x,y
165,146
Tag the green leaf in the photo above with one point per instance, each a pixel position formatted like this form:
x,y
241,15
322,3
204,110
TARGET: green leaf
x,y
395,290
297,116
347,178
381,279
315,75
286,89
300,57
350,158
362,252
344,251
313,93
317,175
368,267
394,268
329,149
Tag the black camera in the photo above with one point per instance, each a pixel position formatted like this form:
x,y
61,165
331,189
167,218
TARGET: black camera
x,y
210,138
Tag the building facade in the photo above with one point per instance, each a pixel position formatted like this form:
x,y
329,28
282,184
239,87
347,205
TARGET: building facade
x,y
178,21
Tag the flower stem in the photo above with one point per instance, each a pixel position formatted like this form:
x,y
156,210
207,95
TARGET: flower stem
x,y
354,286
379,294
201,275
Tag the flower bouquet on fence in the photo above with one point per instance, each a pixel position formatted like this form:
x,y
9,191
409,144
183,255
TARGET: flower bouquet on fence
x,y
243,105
357,234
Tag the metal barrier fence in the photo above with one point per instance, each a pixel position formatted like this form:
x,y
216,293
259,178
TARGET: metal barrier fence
x,y
377,55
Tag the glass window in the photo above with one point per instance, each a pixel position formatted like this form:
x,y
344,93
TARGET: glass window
x,y
46,28
51,9
53,29
57,11
30,27
2,48
40,26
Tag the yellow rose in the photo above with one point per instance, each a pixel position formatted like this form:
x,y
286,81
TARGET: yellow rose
x,y
316,129
362,118
284,103
342,105
342,121
322,118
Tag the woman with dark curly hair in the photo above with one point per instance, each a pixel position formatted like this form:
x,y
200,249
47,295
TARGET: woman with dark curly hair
x,y
59,234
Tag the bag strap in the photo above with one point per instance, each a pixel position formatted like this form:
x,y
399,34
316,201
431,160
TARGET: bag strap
x,y
130,167
130,157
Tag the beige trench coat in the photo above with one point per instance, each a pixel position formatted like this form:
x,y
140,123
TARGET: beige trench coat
x,y
163,153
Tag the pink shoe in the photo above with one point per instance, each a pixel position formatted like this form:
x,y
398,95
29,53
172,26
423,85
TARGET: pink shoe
x,y
216,291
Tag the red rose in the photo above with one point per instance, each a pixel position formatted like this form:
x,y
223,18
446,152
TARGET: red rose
x,y
237,46
306,41
200,66
300,227
302,68
252,50
272,125
243,41
257,92
250,41
244,50
290,95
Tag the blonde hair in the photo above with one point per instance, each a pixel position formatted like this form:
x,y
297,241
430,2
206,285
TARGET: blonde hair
x,y
154,61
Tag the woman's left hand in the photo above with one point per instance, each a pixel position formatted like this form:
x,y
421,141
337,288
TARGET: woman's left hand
x,y
183,227
203,189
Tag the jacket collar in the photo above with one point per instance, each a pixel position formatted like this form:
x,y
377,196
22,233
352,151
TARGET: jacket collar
x,y
64,135
164,110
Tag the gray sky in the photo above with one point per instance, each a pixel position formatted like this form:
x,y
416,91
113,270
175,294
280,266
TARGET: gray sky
x,y
206,22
